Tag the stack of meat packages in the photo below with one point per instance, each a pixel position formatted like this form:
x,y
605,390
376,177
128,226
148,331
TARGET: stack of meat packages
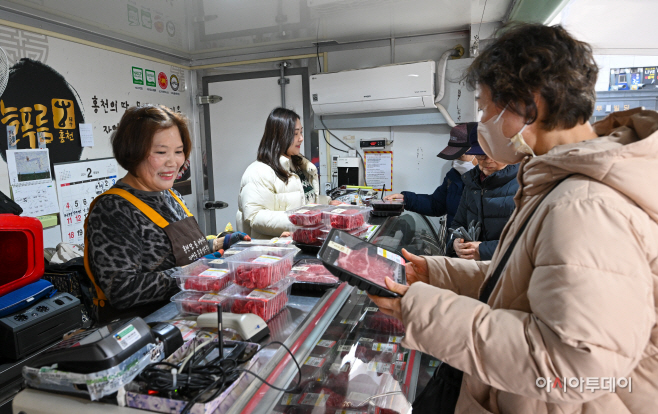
x,y
200,283
352,219
307,224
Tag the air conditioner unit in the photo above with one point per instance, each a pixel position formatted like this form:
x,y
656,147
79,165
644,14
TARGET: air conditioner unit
x,y
384,88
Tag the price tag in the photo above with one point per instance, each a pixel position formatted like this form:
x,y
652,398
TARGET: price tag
x,y
300,268
390,256
217,261
314,361
318,400
378,346
372,309
339,247
262,294
326,343
266,259
338,211
213,272
434,363
395,339
211,298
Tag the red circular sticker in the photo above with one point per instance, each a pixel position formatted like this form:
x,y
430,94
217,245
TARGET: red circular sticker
x,y
162,80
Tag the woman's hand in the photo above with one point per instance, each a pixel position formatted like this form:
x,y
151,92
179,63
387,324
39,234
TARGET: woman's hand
x,y
467,250
391,306
335,203
224,243
415,268
390,197
285,234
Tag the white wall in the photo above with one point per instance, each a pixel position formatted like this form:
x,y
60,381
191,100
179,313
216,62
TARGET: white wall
x,y
96,72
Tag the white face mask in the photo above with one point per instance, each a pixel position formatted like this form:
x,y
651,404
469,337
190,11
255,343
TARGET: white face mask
x,y
462,166
498,146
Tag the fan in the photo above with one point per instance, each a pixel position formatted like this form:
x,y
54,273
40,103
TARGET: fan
x,y
4,71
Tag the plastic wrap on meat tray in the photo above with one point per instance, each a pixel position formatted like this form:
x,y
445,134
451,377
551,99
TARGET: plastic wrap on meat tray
x,y
360,263
265,303
308,235
382,323
196,303
204,275
312,271
308,215
260,267
358,232
346,217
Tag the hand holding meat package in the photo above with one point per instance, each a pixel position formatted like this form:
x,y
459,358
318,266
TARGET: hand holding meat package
x,y
360,263
260,267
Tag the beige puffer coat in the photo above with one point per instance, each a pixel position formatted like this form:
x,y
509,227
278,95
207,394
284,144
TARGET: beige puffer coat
x,y
578,298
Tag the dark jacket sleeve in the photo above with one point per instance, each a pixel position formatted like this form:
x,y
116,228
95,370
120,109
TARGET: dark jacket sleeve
x,y
426,204
458,221
487,249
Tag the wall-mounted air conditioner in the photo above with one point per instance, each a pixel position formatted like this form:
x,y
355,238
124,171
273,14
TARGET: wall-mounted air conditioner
x,y
385,88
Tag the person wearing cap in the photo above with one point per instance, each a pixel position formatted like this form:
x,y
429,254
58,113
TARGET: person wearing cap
x,y
487,199
445,198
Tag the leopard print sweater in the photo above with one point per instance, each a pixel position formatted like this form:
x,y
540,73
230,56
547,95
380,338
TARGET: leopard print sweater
x,y
130,256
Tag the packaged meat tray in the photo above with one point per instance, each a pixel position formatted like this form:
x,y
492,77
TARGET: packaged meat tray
x,y
384,324
308,215
196,303
381,208
260,267
358,232
312,271
204,276
265,303
346,217
274,242
308,235
361,264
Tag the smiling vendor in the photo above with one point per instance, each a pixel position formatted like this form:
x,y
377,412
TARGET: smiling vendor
x,y
139,232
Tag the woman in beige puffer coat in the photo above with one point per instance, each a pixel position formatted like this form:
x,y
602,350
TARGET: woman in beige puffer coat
x,y
576,304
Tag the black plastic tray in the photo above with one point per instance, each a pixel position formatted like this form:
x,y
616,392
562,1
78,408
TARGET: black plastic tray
x,y
346,275
381,205
386,213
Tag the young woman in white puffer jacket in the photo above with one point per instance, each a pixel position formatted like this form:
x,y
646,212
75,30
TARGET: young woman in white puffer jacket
x,y
281,179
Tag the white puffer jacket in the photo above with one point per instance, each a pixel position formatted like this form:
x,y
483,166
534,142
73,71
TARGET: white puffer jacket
x,y
264,198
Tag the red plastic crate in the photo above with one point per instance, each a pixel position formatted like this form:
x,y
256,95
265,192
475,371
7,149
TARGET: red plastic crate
x,y
21,244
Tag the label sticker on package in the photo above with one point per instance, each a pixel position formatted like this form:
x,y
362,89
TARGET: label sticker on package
x,y
434,363
262,294
217,261
395,339
338,211
378,346
210,298
127,336
276,240
302,211
390,256
288,399
366,339
348,322
213,272
344,348
318,400
379,367
326,343
360,292
357,398
300,268
314,361
339,247
372,309
337,367
266,259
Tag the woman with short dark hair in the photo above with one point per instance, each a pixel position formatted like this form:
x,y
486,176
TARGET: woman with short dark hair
x,y
139,232
563,318
280,179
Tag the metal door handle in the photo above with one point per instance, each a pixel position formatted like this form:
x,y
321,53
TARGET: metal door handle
x,y
215,205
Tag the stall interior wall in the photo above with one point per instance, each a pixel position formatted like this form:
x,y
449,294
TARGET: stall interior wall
x,y
416,166
107,82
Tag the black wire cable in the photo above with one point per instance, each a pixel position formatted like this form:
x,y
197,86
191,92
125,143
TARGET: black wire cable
x,y
199,380
341,141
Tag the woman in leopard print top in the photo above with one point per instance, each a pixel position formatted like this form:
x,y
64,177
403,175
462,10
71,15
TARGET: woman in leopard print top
x,y
130,254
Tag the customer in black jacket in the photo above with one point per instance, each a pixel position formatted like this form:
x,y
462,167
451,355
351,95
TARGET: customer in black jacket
x,y
488,199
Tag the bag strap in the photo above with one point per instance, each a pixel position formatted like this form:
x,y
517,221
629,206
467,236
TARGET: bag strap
x,y
493,280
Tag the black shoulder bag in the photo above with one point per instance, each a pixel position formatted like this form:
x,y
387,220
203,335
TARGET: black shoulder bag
x,y
442,391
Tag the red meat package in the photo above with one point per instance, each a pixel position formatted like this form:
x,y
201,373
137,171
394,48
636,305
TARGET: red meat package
x,y
258,268
204,276
197,303
308,215
265,303
308,235
312,271
346,218
383,324
374,268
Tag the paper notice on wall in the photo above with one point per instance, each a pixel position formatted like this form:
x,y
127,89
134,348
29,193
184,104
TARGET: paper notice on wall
x,y
86,135
379,170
